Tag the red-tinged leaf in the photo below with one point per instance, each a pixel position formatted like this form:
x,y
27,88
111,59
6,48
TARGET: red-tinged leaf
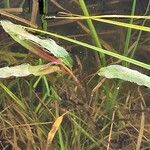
x,y
42,47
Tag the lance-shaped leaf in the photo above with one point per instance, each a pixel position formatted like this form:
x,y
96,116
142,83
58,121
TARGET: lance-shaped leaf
x,y
53,131
44,48
26,69
126,74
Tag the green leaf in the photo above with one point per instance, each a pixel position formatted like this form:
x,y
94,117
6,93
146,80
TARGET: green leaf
x,y
33,43
124,73
26,69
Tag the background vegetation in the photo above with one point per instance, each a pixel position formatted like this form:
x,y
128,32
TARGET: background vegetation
x,y
100,113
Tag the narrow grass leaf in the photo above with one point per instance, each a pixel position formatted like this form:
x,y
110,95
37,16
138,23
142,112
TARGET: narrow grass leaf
x,y
122,24
13,96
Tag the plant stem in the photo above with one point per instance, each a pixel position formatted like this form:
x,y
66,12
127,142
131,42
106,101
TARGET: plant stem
x,y
114,101
140,32
7,3
93,31
45,11
128,37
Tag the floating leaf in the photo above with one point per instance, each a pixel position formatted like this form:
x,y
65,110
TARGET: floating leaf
x,y
26,69
35,44
126,74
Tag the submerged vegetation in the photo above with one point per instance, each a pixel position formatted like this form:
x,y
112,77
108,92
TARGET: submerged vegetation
x,y
65,104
